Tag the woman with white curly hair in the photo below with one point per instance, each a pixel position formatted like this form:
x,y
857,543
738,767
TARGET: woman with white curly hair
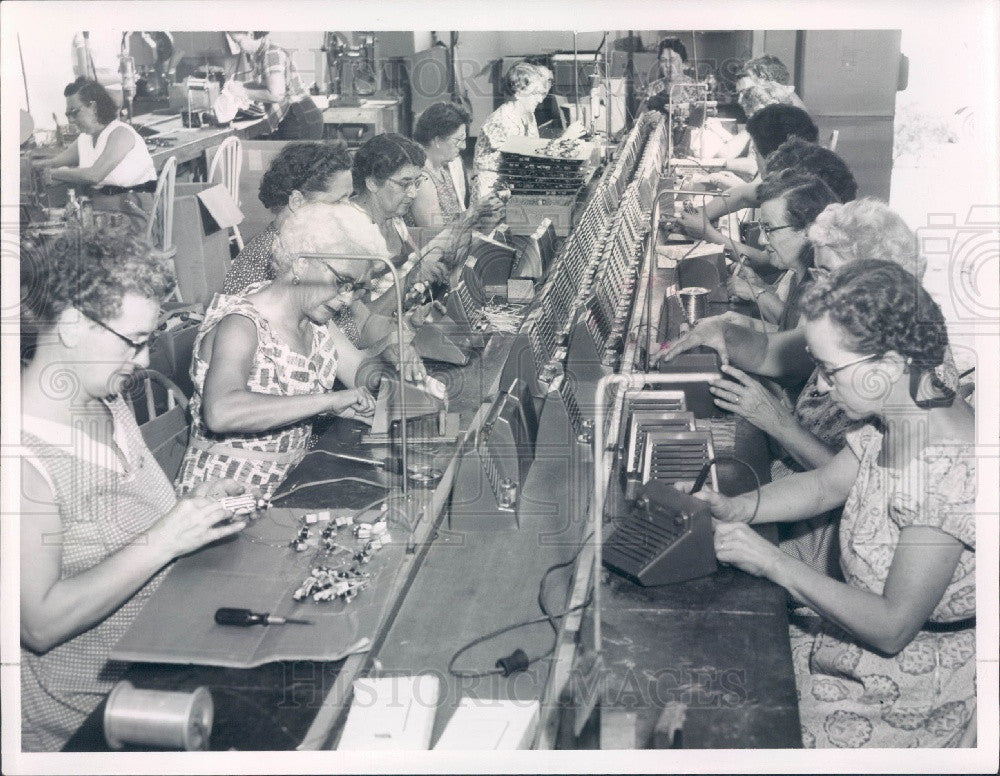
x,y
811,434
265,361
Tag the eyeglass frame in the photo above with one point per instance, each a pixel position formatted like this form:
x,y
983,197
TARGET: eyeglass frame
x,y
414,184
137,347
345,286
767,229
827,374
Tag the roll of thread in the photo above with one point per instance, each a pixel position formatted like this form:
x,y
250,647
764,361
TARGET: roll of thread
x,y
694,301
157,718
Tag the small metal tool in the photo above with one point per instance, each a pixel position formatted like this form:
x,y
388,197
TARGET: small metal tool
x,y
244,618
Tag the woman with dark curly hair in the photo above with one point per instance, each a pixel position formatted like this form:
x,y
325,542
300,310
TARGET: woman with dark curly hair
x,y
888,658
790,202
442,131
300,173
108,156
99,519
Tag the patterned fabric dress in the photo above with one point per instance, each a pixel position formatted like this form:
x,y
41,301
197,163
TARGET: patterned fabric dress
x,y
507,121
813,541
444,185
253,265
259,460
850,696
105,504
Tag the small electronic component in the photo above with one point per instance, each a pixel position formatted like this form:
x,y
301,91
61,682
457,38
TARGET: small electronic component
x,y
245,504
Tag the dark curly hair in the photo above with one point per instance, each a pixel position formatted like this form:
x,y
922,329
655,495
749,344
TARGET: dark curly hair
x,y
821,162
382,156
302,166
90,270
805,195
674,44
92,92
768,68
439,120
773,124
880,307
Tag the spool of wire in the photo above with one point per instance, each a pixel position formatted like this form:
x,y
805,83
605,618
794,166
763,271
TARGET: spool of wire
x,y
694,300
156,718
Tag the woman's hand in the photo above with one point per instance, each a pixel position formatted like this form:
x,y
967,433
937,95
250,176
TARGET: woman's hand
x,y
724,508
693,224
488,212
709,332
192,524
429,270
219,489
745,284
739,545
352,403
407,362
725,179
747,397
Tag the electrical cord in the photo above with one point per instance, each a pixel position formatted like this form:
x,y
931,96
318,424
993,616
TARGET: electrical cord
x,y
330,481
703,475
518,660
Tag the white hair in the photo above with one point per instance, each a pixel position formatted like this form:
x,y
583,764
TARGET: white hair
x,y
320,227
868,229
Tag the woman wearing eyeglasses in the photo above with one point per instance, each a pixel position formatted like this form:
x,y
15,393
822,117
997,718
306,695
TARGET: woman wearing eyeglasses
x,y
98,517
790,201
265,361
525,86
813,432
109,156
887,657
442,132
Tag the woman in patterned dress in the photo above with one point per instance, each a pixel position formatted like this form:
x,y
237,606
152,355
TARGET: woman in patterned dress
x,y
99,519
889,658
442,131
317,172
814,431
265,362
525,85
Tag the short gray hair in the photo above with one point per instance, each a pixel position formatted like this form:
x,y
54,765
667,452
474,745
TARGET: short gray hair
x,y
868,229
320,227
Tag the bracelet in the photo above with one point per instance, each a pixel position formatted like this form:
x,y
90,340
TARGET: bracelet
x,y
759,293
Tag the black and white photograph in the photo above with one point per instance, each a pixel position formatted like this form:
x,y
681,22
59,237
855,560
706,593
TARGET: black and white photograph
x,y
613,385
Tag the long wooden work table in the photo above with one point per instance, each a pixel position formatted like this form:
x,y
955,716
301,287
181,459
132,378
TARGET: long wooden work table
x,y
717,646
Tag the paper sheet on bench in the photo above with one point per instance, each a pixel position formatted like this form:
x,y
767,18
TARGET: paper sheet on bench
x,y
177,624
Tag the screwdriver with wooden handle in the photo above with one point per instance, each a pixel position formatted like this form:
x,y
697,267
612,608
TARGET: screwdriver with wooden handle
x,y
244,618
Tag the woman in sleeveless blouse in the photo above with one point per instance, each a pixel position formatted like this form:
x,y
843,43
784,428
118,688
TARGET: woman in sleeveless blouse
x,y
265,361
99,519
108,157
887,657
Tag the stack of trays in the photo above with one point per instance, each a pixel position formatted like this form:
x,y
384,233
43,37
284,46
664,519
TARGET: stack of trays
x,y
532,166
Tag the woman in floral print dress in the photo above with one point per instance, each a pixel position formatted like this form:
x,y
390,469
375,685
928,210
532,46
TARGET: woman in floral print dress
x,y
889,658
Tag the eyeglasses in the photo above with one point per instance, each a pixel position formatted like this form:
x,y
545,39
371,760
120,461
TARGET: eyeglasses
x,y
818,273
411,183
346,284
767,228
827,373
137,347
